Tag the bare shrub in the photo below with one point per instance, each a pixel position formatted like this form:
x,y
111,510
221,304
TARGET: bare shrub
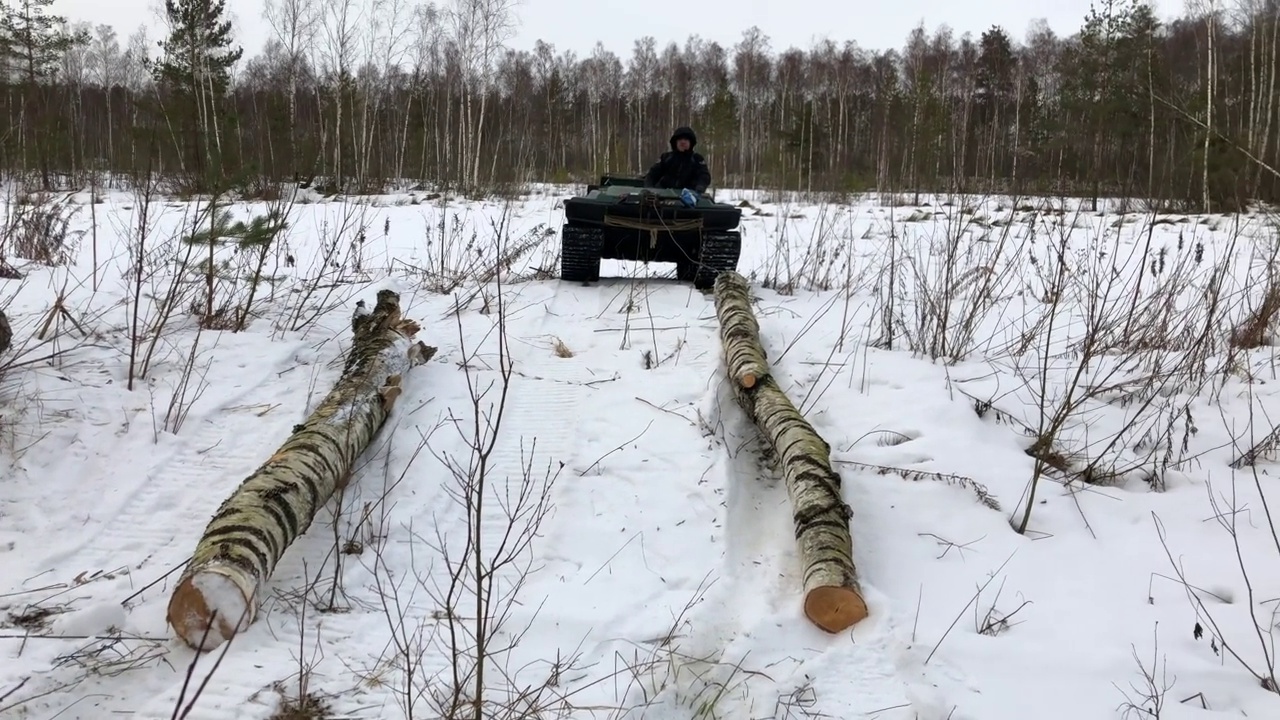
x,y
190,384
38,228
456,662
485,573
329,280
461,253
1255,649
155,279
663,677
1147,699
936,290
1254,330
297,699
822,263
84,661
993,621
1121,328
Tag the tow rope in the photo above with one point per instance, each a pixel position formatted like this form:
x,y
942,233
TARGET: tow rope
x,y
641,225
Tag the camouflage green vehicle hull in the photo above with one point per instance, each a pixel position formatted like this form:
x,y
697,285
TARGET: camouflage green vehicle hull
x,y
619,219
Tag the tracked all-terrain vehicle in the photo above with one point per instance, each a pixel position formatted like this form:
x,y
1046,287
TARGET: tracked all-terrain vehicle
x,y
621,219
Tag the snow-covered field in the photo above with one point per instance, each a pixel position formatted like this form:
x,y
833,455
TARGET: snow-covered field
x,y
638,549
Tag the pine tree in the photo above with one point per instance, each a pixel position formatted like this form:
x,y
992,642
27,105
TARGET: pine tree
x,y
32,41
996,89
195,66
1099,87
253,243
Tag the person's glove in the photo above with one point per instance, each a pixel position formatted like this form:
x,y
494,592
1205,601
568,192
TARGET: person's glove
x,y
687,196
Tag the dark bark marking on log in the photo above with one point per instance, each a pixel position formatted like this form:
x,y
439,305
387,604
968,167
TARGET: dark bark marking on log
x,y
284,516
276,499
230,537
312,457
226,556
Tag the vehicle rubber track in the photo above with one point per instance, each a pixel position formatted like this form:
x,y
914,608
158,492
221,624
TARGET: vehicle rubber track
x,y
580,253
719,253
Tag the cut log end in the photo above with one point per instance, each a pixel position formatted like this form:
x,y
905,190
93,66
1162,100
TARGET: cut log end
x,y
834,608
210,606
747,380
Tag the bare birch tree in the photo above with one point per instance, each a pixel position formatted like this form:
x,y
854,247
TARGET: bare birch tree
x,y
294,24
480,28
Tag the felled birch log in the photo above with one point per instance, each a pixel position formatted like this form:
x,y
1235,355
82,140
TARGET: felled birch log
x,y
833,600
218,592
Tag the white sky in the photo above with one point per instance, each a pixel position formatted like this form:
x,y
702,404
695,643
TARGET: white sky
x,y
578,24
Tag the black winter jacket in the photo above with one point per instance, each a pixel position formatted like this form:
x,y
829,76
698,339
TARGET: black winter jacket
x,y
680,170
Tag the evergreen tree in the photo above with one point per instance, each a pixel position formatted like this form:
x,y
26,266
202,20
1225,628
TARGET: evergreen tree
x,y
995,87
253,242
195,66
32,43
198,54
997,65
1106,83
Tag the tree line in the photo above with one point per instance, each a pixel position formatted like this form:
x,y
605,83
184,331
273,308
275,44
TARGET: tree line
x,y
356,96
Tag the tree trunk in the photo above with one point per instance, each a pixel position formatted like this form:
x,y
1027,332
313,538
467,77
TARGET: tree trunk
x,y
1210,81
833,599
217,594
6,333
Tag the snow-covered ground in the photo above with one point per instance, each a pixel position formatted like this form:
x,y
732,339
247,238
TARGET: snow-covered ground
x,y
642,553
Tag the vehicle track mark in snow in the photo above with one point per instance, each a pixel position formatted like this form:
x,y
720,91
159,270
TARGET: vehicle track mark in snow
x,y
160,522
539,421
169,505
536,433
631,506
612,297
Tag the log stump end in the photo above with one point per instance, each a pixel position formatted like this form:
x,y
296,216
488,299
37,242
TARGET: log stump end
x,y
208,607
834,608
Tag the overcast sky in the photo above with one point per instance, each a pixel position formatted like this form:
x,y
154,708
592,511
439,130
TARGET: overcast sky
x,y
578,24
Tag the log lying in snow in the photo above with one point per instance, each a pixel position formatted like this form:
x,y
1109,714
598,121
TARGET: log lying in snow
x,y
833,600
276,504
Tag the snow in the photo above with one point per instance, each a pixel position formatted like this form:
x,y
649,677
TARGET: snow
x,y
664,572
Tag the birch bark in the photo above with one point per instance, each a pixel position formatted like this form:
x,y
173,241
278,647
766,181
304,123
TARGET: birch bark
x,y
833,599
217,594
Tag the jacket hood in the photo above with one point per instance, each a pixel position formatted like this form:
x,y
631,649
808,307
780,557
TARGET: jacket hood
x,y
684,132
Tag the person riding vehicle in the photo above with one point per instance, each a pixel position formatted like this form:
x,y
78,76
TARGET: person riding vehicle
x,y
681,168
